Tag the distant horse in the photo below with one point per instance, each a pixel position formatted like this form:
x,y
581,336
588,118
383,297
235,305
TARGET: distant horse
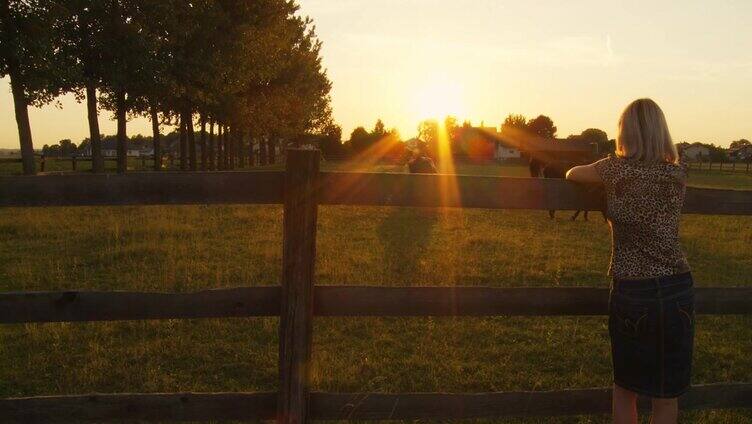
x,y
556,169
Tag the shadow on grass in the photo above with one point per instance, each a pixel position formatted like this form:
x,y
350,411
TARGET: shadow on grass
x,y
406,236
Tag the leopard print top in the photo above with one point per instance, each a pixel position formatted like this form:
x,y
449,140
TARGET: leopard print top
x,y
644,202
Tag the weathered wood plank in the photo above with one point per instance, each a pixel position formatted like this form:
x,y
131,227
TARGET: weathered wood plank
x,y
718,202
411,406
348,406
138,406
346,188
298,263
458,301
75,306
500,193
487,301
142,189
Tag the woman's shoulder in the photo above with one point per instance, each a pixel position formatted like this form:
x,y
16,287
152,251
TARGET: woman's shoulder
x,y
614,167
608,164
674,171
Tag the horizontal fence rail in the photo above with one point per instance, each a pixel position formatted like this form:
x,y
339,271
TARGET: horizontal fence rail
x,y
342,188
347,406
353,301
142,189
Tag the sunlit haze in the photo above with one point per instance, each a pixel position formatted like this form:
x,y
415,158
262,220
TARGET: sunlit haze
x,y
579,62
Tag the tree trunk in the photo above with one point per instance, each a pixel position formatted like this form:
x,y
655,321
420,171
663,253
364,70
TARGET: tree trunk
x,y
156,138
262,151
95,137
211,145
226,148
273,150
20,102
183,141
202,143
122,150
251,154
242,149
233,146
24,127
220,147
191,140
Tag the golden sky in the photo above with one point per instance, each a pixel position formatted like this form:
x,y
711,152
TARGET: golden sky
x,y
579,62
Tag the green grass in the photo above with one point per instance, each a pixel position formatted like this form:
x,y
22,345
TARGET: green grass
x,y
196,247
720,179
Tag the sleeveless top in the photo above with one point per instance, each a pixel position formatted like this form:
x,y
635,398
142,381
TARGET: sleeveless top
x,y
644,202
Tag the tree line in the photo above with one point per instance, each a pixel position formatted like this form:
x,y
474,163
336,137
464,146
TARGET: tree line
x,y
388,144
240,73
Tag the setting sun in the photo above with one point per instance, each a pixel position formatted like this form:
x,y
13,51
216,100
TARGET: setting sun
x,y
439,96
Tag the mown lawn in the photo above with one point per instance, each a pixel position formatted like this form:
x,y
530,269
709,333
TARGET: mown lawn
x,y
195,247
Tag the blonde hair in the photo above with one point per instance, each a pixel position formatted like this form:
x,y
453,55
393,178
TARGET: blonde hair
x,y
644,135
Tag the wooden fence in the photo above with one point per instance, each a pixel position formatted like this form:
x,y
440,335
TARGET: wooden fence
x,y
731,166
74,160
301,188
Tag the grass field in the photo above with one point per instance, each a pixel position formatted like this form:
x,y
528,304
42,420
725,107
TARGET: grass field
x,y
195,247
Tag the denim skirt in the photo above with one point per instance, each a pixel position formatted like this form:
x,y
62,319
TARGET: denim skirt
x,y
652,325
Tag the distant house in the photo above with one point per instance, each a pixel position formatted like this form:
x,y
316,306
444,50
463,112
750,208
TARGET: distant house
x,y
694,151
109,149
483,143
504,152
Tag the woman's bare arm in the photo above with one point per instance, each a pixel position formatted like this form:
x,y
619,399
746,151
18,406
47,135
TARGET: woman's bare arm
x,y
584,174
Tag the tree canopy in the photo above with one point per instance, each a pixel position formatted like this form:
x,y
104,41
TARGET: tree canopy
x,y
542,126
251,68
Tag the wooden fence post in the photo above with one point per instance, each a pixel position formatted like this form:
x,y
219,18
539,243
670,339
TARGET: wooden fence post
x,y
298,259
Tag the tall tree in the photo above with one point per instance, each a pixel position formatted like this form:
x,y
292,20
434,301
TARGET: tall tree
x,y
379,130
740,143
360,139
330,141
84,36
514,123
597,137
542,126
27,57
127,57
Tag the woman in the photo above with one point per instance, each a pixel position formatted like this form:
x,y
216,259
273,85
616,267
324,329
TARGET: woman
x,y
651,308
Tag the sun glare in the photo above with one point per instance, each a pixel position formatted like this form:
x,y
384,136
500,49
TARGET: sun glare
x,y
438,97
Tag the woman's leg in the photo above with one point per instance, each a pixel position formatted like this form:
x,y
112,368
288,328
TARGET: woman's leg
x,y
624,404
665,411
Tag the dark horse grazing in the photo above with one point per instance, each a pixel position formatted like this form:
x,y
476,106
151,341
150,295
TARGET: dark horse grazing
x,y
554,169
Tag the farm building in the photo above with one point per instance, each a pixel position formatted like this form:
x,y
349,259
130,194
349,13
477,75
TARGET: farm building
x,y
694,151
483,143
504,152
109,149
